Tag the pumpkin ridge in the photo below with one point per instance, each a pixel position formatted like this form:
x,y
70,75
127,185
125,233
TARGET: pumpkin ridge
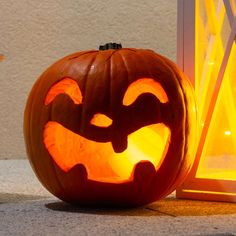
x,y
172,68
82,54
187,128
32,95
69,61
131,49
150,183
172,184
52,164
122,59
110,81
142,56
185,143
155,57
126,65
113,70
110,56
85,83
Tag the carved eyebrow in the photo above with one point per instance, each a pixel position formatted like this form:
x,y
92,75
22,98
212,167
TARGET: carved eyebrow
x,y
65,86
144,85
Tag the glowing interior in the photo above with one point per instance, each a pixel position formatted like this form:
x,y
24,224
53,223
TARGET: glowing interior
x,y
218,155
102,163
67,86
149,143
101,120
144,85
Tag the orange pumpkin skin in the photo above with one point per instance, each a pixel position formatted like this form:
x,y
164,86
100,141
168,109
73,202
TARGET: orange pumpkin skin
x,y
103,78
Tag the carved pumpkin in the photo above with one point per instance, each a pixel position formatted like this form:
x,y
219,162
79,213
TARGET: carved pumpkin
x,y
114,126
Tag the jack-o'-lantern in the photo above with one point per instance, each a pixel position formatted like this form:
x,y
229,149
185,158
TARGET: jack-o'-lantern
x,y
114,126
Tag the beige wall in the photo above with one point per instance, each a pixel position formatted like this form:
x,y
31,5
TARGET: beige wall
x,y
33,34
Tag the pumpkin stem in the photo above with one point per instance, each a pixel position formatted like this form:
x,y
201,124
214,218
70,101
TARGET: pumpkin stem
x,y
108,46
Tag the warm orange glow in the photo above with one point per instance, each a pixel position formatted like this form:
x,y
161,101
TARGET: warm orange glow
x,y
66,86
211,16
102,163
144,85
208,58
216,173
149,143
213,174
209,192
218,159
101,120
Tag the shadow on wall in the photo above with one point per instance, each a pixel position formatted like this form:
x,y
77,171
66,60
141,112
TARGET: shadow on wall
x,y
168,207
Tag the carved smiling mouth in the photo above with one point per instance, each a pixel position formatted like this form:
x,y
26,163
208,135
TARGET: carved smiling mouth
x,y
69,148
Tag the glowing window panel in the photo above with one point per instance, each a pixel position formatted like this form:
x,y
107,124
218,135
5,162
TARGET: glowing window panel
x,y
207,54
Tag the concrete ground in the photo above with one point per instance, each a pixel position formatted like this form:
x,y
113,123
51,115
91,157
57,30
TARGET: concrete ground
x,y
26,208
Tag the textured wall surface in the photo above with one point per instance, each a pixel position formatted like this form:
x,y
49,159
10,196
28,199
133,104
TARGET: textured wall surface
x,y
33,34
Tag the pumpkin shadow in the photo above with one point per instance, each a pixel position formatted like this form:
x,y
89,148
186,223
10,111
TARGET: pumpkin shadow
x,y
167,207
14,197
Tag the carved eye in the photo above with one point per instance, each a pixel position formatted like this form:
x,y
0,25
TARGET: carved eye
x,y
101,120
144,85
67,86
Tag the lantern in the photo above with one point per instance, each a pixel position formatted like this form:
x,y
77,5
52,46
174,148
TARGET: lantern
x,y
207,54
114,126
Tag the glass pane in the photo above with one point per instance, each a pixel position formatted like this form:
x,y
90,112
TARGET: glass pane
x,y
211,21
218,157
218,160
